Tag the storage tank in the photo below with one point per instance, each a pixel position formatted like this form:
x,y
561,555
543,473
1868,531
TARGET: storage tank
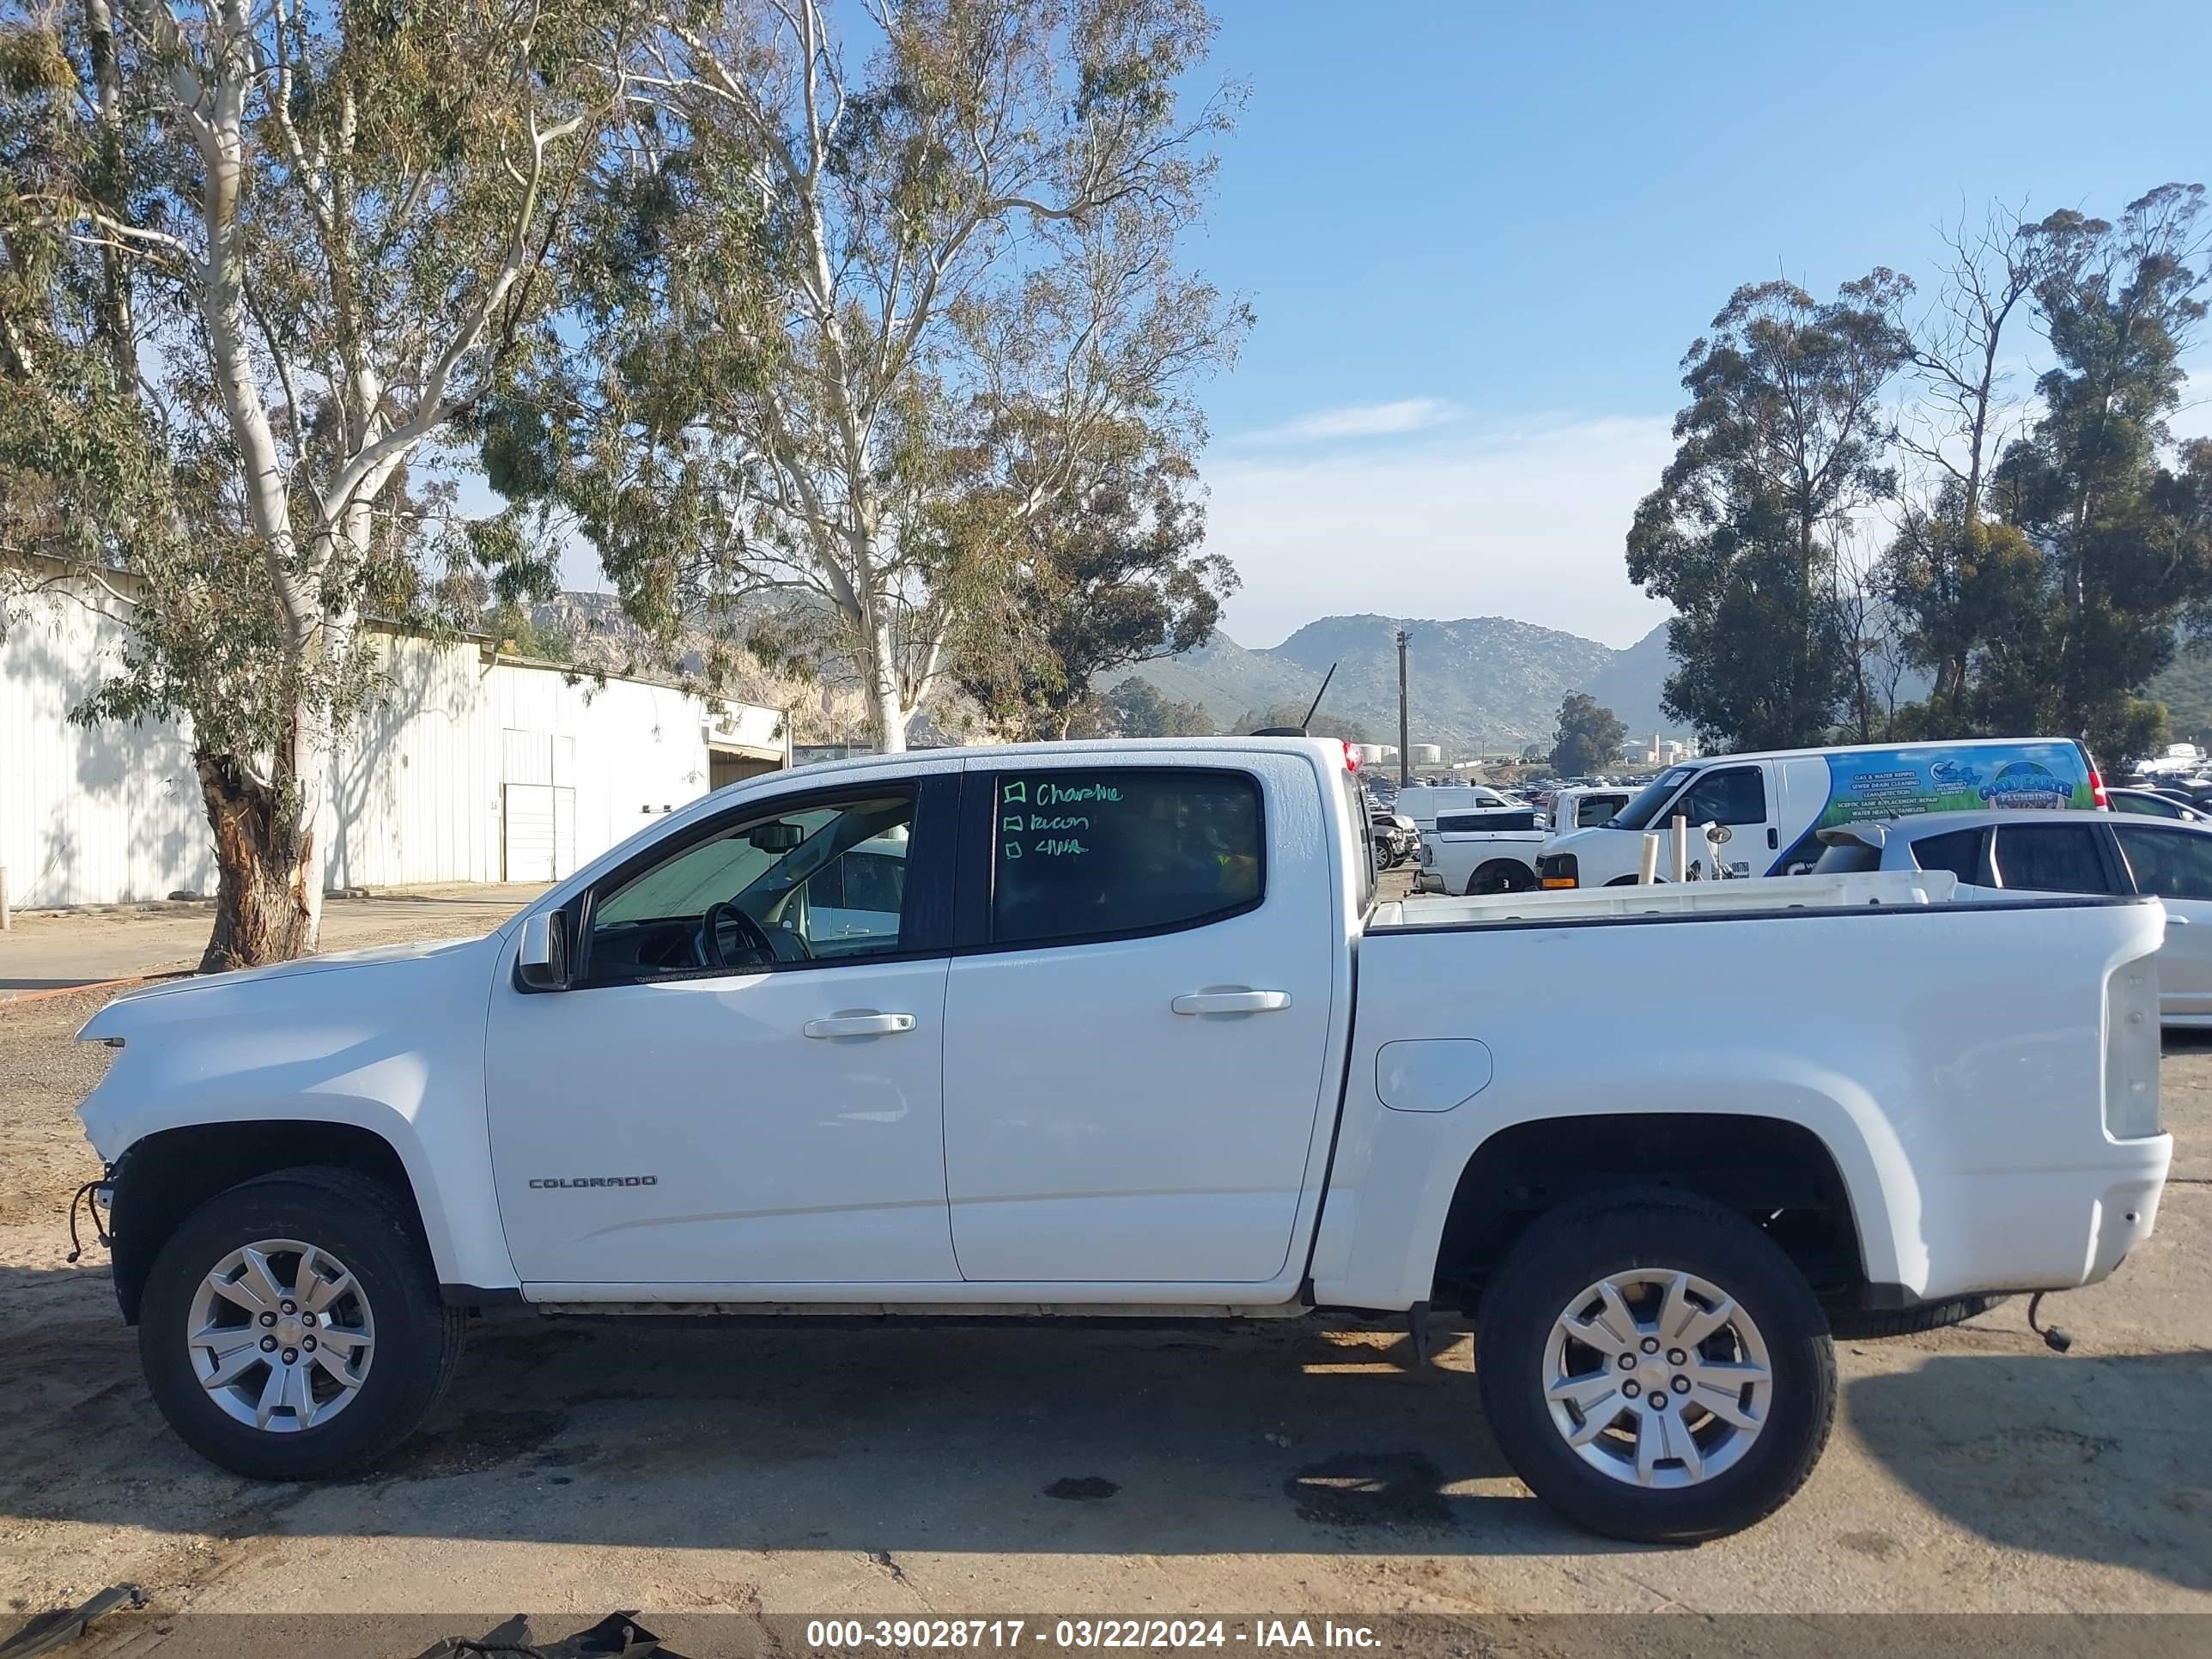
x,y
1426,754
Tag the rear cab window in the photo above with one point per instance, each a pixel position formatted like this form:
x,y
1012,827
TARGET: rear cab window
x,y
1503,817
1101,853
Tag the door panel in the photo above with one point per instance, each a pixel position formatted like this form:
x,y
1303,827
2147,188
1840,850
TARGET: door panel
x,y
744,1088
775,1158
1094,1134
2174,862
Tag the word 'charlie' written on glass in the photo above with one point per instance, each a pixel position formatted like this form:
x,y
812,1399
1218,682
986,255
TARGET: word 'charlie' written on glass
x,y
1041,818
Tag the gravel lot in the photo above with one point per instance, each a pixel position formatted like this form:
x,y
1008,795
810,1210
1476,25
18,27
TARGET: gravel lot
x,y
579,1467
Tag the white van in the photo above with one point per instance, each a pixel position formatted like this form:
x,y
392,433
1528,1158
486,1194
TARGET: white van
x,y
1775,805
1425,805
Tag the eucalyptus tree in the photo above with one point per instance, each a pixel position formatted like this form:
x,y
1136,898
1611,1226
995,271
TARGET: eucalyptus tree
x,y
1783,441
885,283
2123,520
262,255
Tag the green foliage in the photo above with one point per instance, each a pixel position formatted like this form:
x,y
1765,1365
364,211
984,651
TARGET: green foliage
x,y
1590,736
2053,607
1109,572
1780,443
251,270
1135,709
1323,724
872,291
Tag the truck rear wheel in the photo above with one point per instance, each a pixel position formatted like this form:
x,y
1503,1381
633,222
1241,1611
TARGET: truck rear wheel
x,y
1655,1369
291,1327
1500,876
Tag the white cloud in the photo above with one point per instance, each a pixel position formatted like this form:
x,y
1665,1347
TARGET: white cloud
x,y
1526,521
1357,421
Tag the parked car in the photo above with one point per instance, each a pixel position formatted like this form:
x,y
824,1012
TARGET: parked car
x,y
2158,804
1775,805
1090,1041
2000,856
1397,838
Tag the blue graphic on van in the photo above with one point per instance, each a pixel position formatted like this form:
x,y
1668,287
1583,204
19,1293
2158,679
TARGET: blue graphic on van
x,y
2025,783
1917,778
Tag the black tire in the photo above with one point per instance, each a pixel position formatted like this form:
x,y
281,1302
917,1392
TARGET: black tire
x,y
1863,1325
1500,876
370,1229
1581,1243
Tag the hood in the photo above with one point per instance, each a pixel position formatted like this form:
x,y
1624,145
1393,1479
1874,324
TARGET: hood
x,y
245,981
1567,840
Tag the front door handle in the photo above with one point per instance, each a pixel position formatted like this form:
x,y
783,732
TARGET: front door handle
x,y
867,1022
1232,1002
2173,921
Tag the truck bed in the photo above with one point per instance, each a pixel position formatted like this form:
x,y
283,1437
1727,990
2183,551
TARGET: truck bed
x,y
1674,898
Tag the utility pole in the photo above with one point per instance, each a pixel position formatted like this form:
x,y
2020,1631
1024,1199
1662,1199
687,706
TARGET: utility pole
x,y
1405,749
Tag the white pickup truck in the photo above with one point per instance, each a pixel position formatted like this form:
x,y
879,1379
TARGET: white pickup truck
x,y
1114,1030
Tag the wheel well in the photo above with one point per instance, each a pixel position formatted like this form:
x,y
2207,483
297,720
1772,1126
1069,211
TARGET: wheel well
x,y
1519,871
1776,1174
162,1179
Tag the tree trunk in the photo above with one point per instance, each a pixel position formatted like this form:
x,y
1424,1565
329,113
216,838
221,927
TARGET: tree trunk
x,y
268,869
884,703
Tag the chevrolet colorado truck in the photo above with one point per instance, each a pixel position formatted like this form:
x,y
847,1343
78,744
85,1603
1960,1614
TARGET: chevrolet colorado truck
x,y
1119,1030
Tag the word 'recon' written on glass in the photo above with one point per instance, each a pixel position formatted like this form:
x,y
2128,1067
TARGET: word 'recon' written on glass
x,y
1040,818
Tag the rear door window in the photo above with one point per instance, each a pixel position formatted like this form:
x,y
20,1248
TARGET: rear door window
x,y
1109,852
2051,858
1960,852
2174,863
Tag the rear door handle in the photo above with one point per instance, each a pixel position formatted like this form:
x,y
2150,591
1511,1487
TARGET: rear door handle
x,y
2173,921
866,1023
1232,1002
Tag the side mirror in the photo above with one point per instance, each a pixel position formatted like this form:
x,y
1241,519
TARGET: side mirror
x,y
542,961
1719,834
774,837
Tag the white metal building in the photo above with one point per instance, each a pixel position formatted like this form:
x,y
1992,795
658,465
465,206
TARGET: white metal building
x,y
471,767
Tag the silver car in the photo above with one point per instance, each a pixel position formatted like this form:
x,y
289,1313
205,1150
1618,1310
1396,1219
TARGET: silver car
x,y
1995,853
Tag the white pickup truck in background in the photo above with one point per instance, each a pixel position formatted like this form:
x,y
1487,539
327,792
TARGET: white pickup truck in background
x,y
1070,1029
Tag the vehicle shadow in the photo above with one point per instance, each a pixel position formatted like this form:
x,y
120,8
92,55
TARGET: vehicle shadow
x,y
2093,1457
678,1434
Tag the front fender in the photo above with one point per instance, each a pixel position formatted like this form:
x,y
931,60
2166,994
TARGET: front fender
x,y
391,1045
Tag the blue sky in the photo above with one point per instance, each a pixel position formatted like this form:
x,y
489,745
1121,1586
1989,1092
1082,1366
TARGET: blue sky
x,y
1478,238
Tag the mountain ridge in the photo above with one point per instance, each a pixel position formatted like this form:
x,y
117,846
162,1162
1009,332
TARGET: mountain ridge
x,y
1473,683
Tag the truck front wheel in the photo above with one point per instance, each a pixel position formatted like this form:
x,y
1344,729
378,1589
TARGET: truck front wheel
x,y
1655,1369
292,1329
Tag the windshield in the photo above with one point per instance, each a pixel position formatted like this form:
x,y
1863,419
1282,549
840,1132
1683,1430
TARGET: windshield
x,y
1639,812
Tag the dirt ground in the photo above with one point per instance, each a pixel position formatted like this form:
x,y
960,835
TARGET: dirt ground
x,y
579,1467
52,949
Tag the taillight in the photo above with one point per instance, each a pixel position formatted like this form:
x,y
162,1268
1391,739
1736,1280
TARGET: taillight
x,y
1350,760
2132,1050
2097,789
